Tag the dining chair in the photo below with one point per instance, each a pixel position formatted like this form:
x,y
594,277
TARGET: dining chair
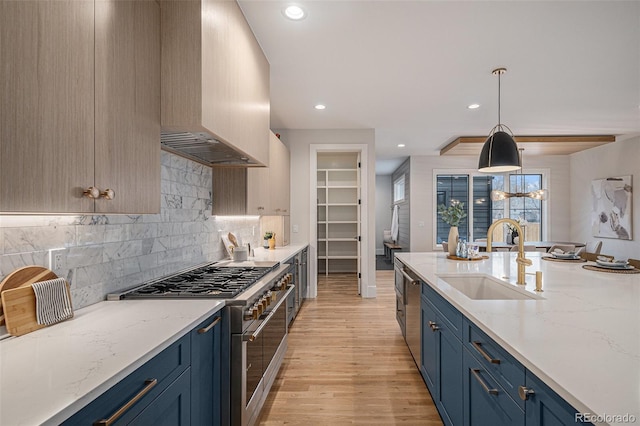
x,y
594,256
593,247
526,248
563,247
635,263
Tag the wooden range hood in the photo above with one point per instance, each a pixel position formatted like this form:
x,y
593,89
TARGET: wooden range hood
x,y
533,145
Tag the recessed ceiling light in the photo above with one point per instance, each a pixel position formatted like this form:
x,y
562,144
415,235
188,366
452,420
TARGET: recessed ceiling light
x,y
319,106
401,145
474,106
294,12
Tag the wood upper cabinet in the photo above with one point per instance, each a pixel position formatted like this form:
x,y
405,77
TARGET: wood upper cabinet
x,y
255,190
215,77
127,138
268,189
47,105
80,106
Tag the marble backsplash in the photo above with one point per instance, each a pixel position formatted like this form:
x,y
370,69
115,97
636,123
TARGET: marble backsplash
x,y
103,254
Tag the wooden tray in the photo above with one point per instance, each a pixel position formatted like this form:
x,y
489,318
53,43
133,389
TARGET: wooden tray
x,y
553,259
24,277
467,258
612,271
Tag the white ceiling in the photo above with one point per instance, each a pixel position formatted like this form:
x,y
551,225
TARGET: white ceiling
x,y
408,69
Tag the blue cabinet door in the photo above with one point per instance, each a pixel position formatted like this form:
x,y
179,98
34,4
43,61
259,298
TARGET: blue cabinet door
x,y
206,344
171,408
544,407
450,381
428,354
485,401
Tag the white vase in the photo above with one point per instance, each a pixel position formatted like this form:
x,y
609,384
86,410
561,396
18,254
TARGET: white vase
x,y
453,240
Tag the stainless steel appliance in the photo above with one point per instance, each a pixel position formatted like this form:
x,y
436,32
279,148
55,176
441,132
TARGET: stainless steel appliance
x,y
408,291
255,295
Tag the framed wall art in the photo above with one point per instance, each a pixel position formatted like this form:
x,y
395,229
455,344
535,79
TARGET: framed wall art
x,y
612,208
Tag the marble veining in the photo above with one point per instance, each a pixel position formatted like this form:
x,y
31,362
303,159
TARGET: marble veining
x,y
582,339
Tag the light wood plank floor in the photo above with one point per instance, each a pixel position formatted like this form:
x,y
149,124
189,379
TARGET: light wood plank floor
x,y
347,363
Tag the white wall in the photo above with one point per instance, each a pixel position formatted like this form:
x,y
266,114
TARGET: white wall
x,y
620,158
421,193
298,142
384,200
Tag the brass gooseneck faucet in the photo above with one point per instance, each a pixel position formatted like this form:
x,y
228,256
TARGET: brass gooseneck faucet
x,y
521,260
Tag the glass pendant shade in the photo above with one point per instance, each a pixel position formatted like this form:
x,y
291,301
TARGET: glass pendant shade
x,y
499,153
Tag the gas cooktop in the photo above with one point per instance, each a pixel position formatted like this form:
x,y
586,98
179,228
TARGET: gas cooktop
x,y
220,280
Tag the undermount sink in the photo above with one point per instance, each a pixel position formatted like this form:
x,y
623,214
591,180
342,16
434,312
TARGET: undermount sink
x,y
484,287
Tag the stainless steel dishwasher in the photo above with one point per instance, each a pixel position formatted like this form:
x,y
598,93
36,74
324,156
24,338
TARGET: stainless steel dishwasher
x,y
412,287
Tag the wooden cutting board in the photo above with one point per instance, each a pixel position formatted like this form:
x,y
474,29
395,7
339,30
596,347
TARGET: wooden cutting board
x,y
20,310
24,277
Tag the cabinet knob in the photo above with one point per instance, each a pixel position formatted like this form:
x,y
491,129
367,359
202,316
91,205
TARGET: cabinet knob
x,y
524,392
434,327
108,194
91,192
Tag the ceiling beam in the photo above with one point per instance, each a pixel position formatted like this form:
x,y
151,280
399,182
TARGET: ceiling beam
x,y
533,145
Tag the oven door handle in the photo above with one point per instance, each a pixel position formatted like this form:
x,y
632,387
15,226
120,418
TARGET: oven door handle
x,y
253,336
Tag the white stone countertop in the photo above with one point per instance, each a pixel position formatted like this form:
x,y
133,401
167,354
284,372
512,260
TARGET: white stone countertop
x,y
48,375
582,339
279,254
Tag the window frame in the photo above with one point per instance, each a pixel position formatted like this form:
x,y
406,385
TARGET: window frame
x,y
545,173
404,188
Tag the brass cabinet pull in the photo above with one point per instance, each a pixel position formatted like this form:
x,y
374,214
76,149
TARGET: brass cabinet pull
x,y
524,392
149,384
476,373
108,194
486,356
434,326
210,326
91,192
407,276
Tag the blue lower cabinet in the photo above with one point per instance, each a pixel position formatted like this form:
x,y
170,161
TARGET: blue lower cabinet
x,y
428,353
206,379
171,408
544,407
450,359
441,364
485,401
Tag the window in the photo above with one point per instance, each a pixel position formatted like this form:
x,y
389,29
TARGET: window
x,y
398,189
452,187
475,192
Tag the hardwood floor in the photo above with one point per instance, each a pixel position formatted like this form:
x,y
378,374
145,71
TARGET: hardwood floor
x,y
347,363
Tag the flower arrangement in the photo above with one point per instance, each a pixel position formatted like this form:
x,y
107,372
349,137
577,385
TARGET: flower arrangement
x,y
513,230
453,214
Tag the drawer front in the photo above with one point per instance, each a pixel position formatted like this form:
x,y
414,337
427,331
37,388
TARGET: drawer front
x,y
485,401
451,315
165,367
504,368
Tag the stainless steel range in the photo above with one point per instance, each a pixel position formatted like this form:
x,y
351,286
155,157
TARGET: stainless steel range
x,y
255,295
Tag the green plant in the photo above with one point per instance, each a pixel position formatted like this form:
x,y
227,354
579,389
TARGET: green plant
x,y
268,235
453,214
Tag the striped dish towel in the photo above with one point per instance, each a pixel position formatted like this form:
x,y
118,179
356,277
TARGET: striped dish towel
x,y
53,303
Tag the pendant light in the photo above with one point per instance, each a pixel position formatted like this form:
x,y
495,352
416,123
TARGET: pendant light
x,y
539,194
499,152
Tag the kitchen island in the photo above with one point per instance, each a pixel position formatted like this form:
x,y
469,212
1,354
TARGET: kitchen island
x,y
581,336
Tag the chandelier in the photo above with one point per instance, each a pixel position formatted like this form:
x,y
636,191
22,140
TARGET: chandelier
x,y
538,194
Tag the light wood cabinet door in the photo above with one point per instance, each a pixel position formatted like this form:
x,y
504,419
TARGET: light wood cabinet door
x,y
235,79
47,105
268,188
280,180
127,137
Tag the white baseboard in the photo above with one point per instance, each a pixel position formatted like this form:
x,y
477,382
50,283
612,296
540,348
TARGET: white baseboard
x,y
379,252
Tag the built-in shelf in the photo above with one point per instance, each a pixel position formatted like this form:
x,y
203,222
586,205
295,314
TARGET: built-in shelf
x,y
338,212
